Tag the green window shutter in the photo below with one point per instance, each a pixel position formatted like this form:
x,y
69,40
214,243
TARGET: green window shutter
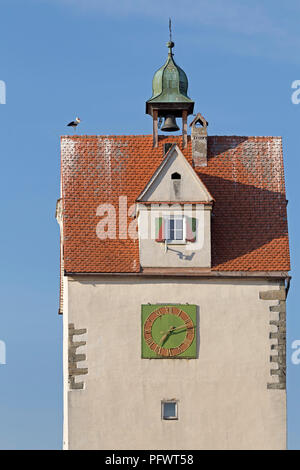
x,y
159,229
191,228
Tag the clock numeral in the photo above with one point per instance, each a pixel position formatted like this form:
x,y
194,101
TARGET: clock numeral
x,y
184,315
150,342
184,346
163,352
190,333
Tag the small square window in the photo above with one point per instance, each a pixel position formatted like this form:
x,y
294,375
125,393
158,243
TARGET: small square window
x,y
169,409
175,229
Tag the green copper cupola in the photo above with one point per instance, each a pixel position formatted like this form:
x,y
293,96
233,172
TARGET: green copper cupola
x,y
170,83
169,97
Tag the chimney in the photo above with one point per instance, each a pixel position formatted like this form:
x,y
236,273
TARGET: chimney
x,y
199,141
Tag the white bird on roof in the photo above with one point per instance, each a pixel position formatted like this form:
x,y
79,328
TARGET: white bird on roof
x,y
75,123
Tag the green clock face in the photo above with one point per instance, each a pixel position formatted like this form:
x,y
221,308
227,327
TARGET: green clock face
x,y
169,331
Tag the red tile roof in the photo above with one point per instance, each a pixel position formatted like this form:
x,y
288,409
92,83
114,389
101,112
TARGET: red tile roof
x,y
244,175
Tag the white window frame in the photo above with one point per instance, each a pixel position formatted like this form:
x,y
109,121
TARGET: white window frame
x,y
166,225
171,418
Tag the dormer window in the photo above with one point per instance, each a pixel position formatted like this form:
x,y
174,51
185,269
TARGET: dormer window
x,y
175,229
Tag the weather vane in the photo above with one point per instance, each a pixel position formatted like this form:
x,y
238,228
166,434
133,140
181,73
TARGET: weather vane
x,y
170,29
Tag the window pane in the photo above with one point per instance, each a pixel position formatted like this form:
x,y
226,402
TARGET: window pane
x,y
169,410
179,235
174,228
179,223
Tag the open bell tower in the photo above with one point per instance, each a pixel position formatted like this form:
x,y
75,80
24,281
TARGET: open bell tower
x,y
169,97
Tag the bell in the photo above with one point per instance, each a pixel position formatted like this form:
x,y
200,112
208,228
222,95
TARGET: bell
x,y
170,124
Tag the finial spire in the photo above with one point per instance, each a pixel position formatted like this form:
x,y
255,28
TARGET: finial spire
x,y
170,43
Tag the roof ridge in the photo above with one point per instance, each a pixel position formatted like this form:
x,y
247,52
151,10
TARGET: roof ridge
x,y
173,137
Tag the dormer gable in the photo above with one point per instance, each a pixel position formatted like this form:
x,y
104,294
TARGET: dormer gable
x,y
175,180
174,212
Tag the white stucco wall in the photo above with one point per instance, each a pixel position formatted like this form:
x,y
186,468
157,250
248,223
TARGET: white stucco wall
x,y
223,398
65,362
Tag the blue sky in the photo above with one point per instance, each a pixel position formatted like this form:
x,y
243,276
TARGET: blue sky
x,y
96,59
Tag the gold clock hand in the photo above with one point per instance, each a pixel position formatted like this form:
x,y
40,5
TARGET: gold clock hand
x,y
183,326
165,335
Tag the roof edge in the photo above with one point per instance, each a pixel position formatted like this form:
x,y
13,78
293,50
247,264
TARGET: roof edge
x,y
187,272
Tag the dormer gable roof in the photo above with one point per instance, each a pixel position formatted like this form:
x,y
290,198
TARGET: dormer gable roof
x,y
159,188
